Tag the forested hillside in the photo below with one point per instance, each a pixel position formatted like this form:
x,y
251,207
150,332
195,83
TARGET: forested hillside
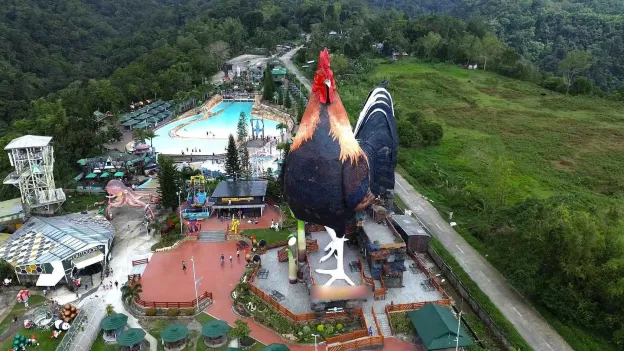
x,y
544,31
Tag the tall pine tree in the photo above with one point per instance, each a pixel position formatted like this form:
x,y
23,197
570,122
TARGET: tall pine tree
x,y
232,165
280,97
168,179
300,109
269,85
243,154
287,101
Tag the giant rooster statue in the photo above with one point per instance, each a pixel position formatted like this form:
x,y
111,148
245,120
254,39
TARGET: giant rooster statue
x,y
332,172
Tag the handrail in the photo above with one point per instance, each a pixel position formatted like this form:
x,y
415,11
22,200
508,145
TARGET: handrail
x,y
187,304
379,332
138,262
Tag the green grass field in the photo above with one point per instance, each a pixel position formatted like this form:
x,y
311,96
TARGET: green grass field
x,y
501,133
269,235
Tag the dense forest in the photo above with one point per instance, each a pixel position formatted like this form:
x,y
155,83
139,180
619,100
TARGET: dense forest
x,y
544,31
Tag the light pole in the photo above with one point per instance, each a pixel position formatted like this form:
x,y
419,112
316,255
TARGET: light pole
x,y
458,325
180,207
315,336
195,285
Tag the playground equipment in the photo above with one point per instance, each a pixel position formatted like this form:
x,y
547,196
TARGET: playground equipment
x,y
43,318
257,130
20,342
197,199
120,195
23,296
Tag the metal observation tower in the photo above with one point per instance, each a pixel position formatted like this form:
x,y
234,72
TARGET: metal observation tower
x,y
33,159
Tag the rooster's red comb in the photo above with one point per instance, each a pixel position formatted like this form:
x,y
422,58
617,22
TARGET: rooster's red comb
x,y
323,63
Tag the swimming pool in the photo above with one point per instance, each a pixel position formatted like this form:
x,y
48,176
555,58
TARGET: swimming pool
x,y
209,135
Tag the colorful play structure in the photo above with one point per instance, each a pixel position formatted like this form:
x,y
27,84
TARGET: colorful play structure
x,y
119,195
197,199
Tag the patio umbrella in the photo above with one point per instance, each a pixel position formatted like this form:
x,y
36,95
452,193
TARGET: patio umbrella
x,y
114,322
131,337
174,332
276,347
215,329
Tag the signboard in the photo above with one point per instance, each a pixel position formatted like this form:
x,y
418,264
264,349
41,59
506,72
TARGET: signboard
x,y
236,199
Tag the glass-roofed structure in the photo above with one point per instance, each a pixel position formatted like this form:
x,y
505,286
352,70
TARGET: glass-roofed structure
x,y
47,249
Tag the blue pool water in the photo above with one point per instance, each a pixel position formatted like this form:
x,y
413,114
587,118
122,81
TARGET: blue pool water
x,y
210,135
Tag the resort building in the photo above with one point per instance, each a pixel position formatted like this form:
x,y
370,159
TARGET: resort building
x,y
97,171
47,249
246,196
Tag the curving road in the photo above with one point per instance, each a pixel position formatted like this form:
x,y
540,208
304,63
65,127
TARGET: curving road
x,y
533,328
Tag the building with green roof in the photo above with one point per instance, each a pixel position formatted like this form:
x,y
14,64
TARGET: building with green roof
x,y
436,328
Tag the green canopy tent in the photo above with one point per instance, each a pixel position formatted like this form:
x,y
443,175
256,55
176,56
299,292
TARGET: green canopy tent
x,y
131,337
130,123
174,336
125,117
276,347
215,333
113,325
91,176
118,174
437,328
142,125
104,175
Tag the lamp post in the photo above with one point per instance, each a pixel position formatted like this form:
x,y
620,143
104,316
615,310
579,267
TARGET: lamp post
x,y
315,336
195,284
180,207
458,325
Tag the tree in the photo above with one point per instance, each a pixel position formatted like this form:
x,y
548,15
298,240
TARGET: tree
x,y
408,134
150,134
300,109
574,64
138,135
269,85
430,43
109,309
232,164
168,179
287,101
490,47
245,164
431,132
131,292
281,127
240,331
280,97
241,129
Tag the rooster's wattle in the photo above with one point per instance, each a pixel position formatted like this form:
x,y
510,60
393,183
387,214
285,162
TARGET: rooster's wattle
x,y
329,175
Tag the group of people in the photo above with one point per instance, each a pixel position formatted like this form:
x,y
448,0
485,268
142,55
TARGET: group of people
x,y
109,285
223,257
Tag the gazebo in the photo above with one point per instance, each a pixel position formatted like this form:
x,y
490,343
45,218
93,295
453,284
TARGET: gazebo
x,y
131,339
215,333
174,337
113,326
276,347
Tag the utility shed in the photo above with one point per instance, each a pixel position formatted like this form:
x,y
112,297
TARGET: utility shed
x,y
436,328
413,234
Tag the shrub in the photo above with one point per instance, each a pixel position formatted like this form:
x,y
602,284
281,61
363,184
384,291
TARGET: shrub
x,y
329,330
150,312
306,329
339,326
320,328
189,311
173,312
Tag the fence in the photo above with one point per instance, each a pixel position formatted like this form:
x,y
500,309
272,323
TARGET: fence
x,y
377,293
188,304
138,262
411,307
371,342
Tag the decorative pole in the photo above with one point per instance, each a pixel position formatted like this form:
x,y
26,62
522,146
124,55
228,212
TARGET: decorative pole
x,y
301,243
292,264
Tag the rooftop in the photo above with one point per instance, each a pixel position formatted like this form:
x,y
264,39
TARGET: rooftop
x,y
10,208
379,232
409,225
437,327
48,239
241,188
28,141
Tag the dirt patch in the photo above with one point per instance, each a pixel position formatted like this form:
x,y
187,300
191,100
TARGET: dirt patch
x,y
564,163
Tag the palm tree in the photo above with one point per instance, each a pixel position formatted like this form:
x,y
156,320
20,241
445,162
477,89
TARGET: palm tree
x,y
149,134
138,134
281,127
131,292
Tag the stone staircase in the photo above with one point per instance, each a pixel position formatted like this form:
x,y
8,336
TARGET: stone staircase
x,y
211,236
384,324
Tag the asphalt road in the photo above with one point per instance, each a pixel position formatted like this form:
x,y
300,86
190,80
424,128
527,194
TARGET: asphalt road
x,y
533,328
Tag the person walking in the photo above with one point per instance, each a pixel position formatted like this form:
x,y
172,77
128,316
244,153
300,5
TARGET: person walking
x,y
230,259
116,284
183,266
237,254
222,259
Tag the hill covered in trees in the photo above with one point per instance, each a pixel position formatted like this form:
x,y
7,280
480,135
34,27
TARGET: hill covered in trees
x,y
544,31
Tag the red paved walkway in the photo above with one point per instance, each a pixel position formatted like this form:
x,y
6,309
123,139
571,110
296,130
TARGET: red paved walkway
x,y
164,280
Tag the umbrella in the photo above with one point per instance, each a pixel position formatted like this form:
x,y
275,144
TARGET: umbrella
x,y
215,329
114,321
131,337
276,347
174,332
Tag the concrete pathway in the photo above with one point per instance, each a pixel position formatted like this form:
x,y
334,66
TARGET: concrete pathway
x,y
533,328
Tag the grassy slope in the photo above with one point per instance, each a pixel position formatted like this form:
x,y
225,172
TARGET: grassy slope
x,y
553,144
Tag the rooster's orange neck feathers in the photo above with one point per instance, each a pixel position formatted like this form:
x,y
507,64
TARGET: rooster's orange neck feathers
x,y
340,128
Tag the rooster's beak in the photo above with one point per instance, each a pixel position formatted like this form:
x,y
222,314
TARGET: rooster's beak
x,y
328,83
